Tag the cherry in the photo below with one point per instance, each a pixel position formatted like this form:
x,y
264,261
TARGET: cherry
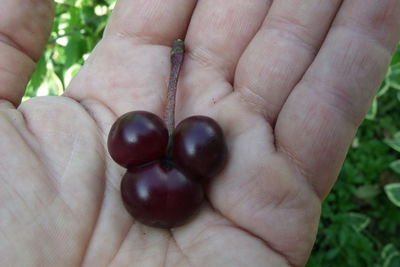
x,y
199,146
136,138
161,187
160,194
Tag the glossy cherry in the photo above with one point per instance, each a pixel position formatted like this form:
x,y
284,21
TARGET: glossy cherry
x,y
161,187
137,137
199,146
160,194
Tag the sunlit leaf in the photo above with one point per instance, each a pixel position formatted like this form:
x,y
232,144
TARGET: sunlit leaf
x,y
70,73
25,98
395,165
111,2
393,143
101,10
388,250
393,193
392,261
52,85
383,89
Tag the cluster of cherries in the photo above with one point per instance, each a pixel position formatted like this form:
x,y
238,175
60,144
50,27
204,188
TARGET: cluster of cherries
x,y
166,167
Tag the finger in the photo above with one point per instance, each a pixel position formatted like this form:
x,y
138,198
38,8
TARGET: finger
x,y
24,28
281,51
154,22
218,33
129,68
320,117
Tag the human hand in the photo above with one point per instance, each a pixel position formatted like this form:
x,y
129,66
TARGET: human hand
x,y
288,81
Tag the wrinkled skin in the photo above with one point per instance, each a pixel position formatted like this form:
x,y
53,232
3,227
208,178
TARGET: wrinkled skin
x,y
289,82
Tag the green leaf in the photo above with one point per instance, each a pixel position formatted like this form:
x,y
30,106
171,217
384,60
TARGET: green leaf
x,y
332,253
37,78
393,76
75,21
395,58
72,50
358,221
383,89
388,250
393,193
372,110
111,2
39,74
392,261
52,85
70,73
396,55
88,15
395,165
100,29
367,191
393,143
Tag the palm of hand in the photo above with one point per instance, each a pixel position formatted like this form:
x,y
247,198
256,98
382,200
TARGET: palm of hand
x,y
60,187
67,194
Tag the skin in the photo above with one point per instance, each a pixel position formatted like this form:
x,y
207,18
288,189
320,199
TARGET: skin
x,y
289,81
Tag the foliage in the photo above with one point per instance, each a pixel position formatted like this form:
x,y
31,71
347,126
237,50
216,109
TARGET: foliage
x,y
78,26
360,222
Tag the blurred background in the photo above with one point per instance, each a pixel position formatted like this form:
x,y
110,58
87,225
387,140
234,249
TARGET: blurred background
x,y
360,223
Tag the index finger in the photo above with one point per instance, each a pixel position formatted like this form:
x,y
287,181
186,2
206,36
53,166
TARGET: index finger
x,y
24,28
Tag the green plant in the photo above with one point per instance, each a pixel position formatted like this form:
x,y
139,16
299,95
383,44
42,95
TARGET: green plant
x,y
77,28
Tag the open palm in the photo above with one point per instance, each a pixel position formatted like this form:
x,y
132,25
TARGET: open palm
x,y
288,81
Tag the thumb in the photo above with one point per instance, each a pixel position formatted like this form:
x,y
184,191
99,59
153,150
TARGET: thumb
x,y
24,29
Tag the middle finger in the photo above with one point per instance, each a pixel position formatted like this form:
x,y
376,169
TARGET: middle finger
x,y
281,52
218,33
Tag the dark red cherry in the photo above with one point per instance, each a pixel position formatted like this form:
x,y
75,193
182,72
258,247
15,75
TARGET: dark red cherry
x,y
199,146
159,194
137,137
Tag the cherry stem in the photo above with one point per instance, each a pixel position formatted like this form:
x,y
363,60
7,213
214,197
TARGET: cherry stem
x,y
177,51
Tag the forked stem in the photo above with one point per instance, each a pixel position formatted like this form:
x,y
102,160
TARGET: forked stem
x,y
177,51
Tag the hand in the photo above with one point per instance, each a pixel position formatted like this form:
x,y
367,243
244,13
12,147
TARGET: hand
x,y
289,82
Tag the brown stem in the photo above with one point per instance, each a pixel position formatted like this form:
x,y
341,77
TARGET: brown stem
x,y
178,49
